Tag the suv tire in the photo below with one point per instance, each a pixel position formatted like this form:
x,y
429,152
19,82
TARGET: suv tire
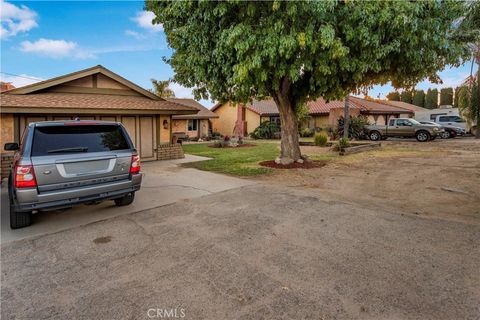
x,y
422,136
19,219
125,200
446,135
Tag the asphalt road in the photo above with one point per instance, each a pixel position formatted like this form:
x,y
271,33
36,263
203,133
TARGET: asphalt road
x,y
255,252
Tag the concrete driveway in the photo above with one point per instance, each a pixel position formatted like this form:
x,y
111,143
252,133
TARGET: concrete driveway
x,y
164,182
255,252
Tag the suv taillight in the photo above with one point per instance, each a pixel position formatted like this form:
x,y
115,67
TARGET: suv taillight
x,y
24,177
135,164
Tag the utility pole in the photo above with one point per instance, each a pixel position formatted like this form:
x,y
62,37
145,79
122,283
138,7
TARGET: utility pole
x,y
346,117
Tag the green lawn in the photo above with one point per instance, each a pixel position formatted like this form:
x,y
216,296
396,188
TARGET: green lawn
x,y
235,161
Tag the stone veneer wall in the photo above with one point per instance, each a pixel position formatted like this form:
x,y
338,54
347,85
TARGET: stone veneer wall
x,y
168,151
6,160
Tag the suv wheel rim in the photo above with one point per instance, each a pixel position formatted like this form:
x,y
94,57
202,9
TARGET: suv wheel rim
x,y
374,136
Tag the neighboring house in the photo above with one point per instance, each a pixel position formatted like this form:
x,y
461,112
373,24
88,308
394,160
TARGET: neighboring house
x,y
5,86
192,125
242,119
95,94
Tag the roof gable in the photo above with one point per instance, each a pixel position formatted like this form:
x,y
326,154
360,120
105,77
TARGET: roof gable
x,y
93,80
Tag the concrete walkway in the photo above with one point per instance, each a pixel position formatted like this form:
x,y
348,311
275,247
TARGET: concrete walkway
x,y
164,182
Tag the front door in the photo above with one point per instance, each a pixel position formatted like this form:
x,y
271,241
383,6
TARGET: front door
x,y
147,138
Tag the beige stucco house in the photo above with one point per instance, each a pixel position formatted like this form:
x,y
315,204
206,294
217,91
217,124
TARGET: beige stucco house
x,y
242,119
95,94
192,125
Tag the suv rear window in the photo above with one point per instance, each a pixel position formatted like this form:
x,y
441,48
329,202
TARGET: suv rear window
x,y
78,139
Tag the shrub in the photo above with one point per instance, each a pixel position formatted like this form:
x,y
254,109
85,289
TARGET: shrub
x,y
306,133
321,139
266,130
343,143
356,129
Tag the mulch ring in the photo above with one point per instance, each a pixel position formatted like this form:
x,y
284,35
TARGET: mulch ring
x,y
306,165
245,145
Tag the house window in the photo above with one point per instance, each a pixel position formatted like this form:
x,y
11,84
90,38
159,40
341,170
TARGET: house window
x,y
193,125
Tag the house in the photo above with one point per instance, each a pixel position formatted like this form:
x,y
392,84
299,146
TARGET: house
x,y
95,94
192,125
242,119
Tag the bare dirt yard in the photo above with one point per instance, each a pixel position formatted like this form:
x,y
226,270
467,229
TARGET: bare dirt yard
x,y
438,179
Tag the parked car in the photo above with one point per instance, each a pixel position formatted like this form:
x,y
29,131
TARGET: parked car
x,y
61,164
403,127
448,131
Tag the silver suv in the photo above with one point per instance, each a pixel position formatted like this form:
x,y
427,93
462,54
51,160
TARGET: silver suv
x,y
63,163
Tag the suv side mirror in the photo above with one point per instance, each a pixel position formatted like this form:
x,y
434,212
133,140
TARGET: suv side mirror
x,y
11,146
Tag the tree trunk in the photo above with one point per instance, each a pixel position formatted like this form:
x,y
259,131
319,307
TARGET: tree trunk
x,y
290,148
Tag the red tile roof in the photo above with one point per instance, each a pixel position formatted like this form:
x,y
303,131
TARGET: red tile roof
x,y
320,106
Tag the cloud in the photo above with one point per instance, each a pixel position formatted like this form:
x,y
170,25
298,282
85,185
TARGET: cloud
x,y
20,80
181,91
55,48
136,35
144,20
15,19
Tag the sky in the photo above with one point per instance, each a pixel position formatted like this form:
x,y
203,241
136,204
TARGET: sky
x,y
41,40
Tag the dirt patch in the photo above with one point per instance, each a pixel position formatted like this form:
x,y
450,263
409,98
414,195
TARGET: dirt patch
x,y
245,145
433,179
295,165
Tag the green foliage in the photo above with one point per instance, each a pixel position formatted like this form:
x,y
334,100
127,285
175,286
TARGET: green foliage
x,y
393,96
446,96
456,96
469,102
303,113
343,143
321,139
406,96
306,133
342,46
161,89
431,99
266,130
419,98
356,128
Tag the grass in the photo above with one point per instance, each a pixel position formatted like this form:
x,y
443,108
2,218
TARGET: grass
x,y
234,161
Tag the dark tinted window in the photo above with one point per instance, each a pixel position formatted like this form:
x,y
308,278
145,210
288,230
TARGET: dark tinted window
x,y
77,139
444,119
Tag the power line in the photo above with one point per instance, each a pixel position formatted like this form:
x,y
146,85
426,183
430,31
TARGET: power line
x,y
19,76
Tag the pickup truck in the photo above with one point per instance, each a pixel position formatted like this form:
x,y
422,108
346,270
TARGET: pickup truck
x,y
403,127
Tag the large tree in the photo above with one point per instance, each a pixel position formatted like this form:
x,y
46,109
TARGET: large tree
x,y
406,96
419,98
393,96
446,96
298,51
431,99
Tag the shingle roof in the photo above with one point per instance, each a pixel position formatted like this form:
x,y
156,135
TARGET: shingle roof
x,y
89,101
320,106
405,105
203,112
